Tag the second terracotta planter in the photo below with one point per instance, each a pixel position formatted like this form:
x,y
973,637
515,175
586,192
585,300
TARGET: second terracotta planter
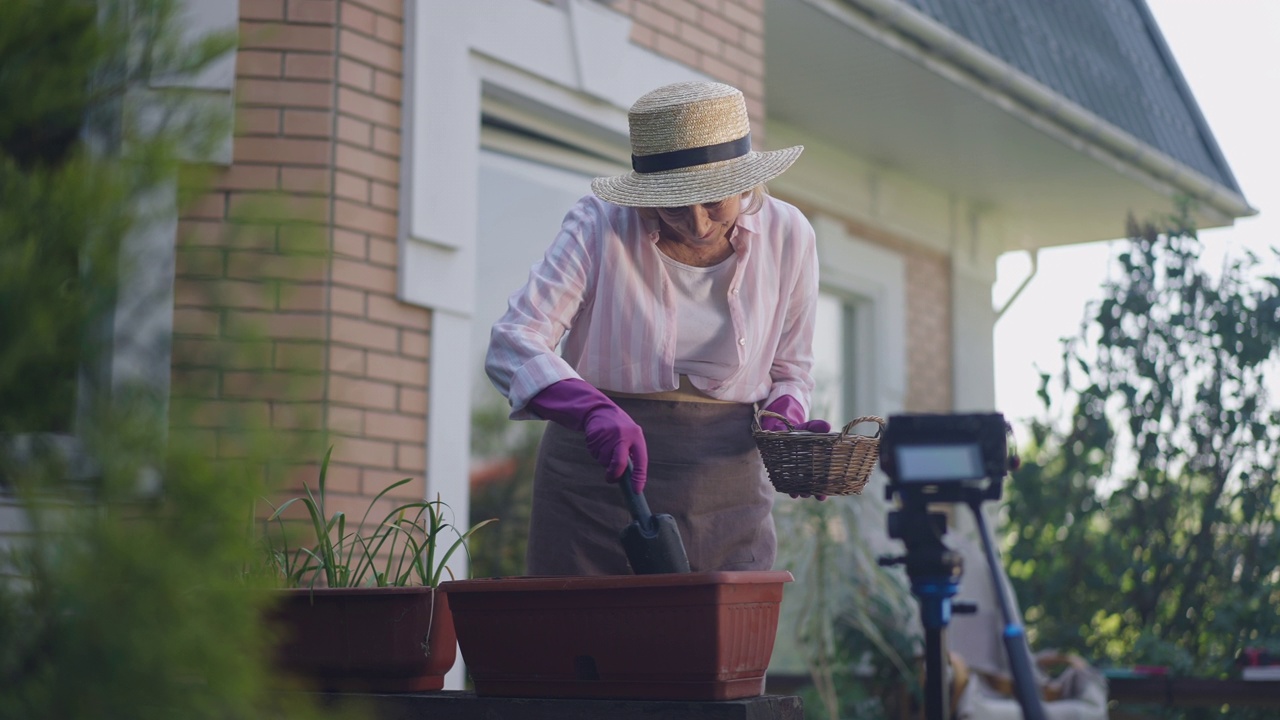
x,y
394,639
695,636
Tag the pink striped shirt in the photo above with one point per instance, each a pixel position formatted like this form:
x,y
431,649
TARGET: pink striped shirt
x,y
603,288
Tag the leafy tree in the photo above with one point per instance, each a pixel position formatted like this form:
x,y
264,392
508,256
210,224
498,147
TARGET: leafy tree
x,y
1143,528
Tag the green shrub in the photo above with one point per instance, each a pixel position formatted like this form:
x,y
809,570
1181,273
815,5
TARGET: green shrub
x,y
122,592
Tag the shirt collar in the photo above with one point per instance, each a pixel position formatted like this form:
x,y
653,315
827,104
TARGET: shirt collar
x,y
748,225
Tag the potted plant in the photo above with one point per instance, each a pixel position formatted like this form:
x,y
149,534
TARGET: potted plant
x,y
360,610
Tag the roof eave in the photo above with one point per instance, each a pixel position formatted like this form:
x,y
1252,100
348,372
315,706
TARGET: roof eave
x,y
963,62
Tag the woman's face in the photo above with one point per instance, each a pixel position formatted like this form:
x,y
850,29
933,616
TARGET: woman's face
x,y
704,225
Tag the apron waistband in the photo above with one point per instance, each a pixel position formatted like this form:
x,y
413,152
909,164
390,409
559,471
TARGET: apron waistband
x,y
686,392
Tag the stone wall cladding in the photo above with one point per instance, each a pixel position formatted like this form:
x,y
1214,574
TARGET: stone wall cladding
x,y
317,142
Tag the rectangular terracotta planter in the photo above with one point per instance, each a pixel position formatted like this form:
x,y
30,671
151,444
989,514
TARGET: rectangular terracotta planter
x,y
389,639
695,636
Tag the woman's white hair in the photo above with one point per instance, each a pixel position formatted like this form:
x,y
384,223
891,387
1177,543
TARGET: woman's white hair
x,y
752,201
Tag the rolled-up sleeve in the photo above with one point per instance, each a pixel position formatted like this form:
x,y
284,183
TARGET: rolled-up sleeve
x,y
522,358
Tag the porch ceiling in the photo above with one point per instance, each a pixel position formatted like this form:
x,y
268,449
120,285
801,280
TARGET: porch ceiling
x,y
882,99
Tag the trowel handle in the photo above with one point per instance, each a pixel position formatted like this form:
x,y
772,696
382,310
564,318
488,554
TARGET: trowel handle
x,y
635,502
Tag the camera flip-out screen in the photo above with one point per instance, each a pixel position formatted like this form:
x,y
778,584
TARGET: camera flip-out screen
x,y
951,462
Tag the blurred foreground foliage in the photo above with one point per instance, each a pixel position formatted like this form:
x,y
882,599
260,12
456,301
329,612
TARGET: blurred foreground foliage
x,y
124,590
505,453
1143,528
854,622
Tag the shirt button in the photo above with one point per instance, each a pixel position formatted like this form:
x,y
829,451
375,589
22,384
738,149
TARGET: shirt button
x,y
735,291
742,341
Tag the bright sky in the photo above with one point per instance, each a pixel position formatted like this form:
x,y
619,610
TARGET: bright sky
x,y
1229,53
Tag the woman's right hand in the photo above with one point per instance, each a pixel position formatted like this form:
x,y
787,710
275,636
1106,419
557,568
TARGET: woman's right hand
x,y
613,438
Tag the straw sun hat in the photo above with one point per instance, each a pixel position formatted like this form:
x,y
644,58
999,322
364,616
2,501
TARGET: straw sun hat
x,y
691,144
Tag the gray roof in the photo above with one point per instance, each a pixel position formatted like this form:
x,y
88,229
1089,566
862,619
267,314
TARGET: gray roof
x,y
1107,56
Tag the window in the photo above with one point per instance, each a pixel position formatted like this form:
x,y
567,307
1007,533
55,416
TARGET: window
x,y
527,182
838,352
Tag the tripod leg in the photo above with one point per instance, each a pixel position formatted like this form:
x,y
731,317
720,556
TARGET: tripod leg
x,y
936,697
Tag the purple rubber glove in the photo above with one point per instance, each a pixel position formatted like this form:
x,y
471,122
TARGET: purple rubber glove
x,y
613,437
790,408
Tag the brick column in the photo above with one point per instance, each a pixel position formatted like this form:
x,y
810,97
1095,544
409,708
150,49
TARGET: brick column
x,y
378,345
929,335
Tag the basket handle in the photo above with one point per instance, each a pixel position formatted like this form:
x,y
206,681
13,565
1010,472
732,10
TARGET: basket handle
x,y
879,421
770,413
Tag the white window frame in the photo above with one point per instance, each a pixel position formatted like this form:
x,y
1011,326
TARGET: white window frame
x,y
874,278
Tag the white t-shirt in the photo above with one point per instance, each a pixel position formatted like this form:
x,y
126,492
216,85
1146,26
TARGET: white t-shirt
x,y
705,345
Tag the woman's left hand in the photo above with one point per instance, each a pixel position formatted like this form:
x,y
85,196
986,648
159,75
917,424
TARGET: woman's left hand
x,y
790,408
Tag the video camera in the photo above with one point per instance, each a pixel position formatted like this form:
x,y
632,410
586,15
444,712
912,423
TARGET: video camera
x,y
946,458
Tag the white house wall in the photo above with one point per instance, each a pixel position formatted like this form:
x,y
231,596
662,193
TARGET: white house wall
x,y
973,317
853,187
846,186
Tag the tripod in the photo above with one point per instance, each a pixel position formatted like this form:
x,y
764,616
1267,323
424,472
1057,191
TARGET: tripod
x,y
934,571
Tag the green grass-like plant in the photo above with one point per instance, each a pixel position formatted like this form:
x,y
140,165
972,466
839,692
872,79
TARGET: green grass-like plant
x,y
400,550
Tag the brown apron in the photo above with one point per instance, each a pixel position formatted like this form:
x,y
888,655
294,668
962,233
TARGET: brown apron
x,y
704,470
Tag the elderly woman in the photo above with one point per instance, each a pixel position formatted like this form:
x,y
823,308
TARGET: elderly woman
x,y
684,296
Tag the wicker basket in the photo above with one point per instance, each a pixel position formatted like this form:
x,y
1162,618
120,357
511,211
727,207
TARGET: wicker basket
x,y
836,463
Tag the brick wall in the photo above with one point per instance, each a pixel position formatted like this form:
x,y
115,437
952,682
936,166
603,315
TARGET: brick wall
x,y
316,150
722,38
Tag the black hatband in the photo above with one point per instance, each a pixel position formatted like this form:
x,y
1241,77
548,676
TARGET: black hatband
x,y
677,159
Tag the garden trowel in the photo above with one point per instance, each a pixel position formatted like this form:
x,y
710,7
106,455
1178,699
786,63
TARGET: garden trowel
x,y
652,542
